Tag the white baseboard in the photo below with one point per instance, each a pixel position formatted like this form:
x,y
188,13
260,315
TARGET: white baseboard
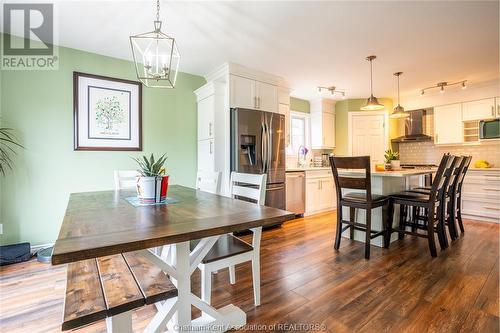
x,y
36,248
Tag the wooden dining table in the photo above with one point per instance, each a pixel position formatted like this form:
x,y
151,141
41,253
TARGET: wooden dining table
x,y
103,223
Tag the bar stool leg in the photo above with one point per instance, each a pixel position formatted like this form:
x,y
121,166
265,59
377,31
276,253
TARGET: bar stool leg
x,y
385,223
390,220
459,215
368,233
430,234
443,241
352,217
338,232
401,227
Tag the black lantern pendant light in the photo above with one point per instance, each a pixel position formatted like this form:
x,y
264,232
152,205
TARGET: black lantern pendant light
x,y
399,111
372,102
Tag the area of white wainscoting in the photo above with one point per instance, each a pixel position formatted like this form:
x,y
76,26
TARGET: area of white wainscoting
x,y
428,152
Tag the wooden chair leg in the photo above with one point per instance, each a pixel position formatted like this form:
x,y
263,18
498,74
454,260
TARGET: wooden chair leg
x,y
338,232
401,227
256,279
206,284
385,223
390,221
232,274
430,235
452,227
459,215
443,240
368,233
352,216
414,214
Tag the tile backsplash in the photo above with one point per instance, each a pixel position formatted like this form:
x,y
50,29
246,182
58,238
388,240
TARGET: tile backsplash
x,y
429,153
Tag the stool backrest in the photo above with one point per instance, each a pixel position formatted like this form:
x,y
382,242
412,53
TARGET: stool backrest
x,y
249,187
461,176
351,182
208,181
455,172
439,183
125,179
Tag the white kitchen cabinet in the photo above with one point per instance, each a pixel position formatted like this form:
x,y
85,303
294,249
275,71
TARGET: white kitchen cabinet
x,y
283,95
206,155
448,126
251,94
267,96
320,191
243,94
481,195
322,124
206,111
481,109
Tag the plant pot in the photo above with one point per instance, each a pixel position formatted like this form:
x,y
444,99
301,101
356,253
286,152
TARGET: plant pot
x,y
152,189
387,166
395,164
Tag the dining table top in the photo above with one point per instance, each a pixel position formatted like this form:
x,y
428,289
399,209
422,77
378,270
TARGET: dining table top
x,y
104,223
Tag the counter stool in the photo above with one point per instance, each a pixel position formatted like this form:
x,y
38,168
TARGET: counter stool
x,y
358,200
431,202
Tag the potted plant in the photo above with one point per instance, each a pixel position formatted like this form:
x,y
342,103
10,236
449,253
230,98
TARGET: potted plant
x,y
152,183
7,145
391,160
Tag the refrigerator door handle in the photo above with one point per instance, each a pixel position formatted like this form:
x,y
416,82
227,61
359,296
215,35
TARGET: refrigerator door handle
x,y
263,147
269,147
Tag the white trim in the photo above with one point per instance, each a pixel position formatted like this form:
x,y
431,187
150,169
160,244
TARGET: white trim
x,y
367,113
35,248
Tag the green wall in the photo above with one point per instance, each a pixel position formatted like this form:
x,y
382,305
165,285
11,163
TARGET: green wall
x,y
300,105
341,110
38,105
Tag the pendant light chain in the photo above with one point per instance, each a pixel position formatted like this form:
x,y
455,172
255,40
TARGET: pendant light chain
x,y
371,77
398,89
157,10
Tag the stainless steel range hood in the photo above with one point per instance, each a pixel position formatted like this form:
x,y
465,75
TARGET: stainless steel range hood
x,y
415,126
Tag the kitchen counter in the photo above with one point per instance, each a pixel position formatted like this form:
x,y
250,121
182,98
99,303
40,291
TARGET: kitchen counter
x,y
295,169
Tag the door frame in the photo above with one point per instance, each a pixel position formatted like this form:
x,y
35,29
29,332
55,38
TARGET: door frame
x,y
367,113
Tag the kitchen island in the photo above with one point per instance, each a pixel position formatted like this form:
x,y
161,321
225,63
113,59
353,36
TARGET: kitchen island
x,y
384,183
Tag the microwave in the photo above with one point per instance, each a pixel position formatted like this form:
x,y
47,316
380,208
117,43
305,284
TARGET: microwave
x,y
489,129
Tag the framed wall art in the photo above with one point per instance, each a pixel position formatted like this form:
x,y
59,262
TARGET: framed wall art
x,y
107,113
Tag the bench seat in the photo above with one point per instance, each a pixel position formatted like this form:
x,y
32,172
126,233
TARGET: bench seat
x,y
107,286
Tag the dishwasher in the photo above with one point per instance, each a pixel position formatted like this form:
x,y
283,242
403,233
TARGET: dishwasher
x,y
295,192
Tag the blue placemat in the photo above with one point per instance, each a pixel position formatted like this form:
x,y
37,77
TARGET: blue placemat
x,y
134,201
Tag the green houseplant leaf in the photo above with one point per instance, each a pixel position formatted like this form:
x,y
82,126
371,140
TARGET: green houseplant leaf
x,y
8,144
150,167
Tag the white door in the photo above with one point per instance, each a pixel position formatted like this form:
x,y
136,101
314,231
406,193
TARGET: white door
x,y
242,93
369,136
206,118
312,195
267,97
206,161
477,110
448,124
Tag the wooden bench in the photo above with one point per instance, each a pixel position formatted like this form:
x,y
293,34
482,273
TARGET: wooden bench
x,y
111,286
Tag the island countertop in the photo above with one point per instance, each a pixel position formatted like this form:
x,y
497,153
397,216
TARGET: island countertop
x,y
395,173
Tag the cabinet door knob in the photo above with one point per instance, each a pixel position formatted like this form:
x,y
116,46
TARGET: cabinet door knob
x,y
210,129
211,148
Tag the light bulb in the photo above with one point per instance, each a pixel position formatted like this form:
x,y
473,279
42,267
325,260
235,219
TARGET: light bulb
x,y
422,92
463,85
343,95
319,90
442,90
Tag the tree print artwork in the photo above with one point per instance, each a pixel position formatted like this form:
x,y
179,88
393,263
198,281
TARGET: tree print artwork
x,y
109,113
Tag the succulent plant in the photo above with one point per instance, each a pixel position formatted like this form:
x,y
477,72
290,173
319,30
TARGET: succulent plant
x,y
151,167
391,155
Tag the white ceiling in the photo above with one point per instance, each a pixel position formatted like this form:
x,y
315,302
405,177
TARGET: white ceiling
x,y
307,43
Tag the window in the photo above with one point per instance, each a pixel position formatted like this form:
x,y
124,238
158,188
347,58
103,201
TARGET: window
x,y
299,131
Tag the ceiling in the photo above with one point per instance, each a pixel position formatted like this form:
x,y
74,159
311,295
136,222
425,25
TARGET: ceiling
x,y
308,43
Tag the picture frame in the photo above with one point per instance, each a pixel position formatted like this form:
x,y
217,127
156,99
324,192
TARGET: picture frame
x,y
107,113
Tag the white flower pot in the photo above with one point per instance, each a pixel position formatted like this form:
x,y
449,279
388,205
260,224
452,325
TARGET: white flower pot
x,y
395,164
147,188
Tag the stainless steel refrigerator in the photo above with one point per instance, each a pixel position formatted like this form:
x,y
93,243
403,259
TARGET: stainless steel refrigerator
x,y
258,146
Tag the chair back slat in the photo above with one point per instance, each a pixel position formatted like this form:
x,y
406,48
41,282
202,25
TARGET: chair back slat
x,y
208,181
125,179
249,186
455,176
461,177
349,182
440,178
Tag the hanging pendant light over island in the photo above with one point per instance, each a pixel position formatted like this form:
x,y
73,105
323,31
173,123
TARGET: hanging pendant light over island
x,y
372,101
399,111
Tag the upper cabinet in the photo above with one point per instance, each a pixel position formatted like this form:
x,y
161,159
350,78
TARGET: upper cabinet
x,y
448,124
251,94
322,124
481,109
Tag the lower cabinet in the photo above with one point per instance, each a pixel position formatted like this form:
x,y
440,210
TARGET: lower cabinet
x,y
481,195
320,191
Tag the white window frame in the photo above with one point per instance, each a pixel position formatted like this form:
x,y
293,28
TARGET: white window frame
x,y
307,127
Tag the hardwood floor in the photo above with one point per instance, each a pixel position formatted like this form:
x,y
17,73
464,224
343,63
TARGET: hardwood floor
x,y
306,282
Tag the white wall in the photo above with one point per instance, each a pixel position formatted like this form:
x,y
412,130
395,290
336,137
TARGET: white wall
x,y
451,95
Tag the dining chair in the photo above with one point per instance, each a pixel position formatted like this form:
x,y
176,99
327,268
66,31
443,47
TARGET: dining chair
x,y
458,194
432,222
125,179
208,181
230,250
358,200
